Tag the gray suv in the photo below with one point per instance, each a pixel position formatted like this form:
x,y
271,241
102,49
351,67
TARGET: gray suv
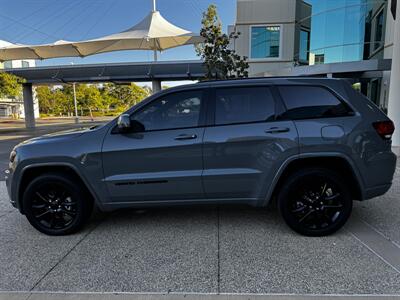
x,y
310,145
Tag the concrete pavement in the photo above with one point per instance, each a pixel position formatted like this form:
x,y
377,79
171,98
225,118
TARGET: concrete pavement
x,y
199,252
207,250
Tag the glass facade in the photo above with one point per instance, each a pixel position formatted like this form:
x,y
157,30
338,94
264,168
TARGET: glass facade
x,y
346,30
304,45
265,42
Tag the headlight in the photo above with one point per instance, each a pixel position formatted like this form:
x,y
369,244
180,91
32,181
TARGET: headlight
x,y
13,155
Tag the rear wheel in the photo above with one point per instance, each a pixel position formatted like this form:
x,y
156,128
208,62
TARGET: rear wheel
x,y
56,205
315,202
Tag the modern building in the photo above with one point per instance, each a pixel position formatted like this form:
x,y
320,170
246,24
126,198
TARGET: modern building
x,y
274,34
14,107
279,35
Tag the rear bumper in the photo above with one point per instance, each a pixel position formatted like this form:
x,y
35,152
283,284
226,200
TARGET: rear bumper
x,y
376,191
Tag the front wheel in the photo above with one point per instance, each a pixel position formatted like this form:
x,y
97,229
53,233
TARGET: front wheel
x,y
315,202
56,204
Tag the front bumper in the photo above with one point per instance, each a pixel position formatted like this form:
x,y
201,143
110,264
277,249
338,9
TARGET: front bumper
x,y
8,177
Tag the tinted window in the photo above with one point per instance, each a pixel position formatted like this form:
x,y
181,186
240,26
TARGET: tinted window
x,y
178,110
307,102
243,105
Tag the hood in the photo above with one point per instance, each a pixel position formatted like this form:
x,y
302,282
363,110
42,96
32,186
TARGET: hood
x,y
56,136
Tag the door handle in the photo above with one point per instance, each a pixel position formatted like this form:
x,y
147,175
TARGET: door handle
x,y
277,130
183,137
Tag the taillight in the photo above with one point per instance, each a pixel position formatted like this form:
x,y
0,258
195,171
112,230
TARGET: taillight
x,y
385,129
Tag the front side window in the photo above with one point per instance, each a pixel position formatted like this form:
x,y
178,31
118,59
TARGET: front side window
x,y
310,102
172,111
25,64
265,41
243,105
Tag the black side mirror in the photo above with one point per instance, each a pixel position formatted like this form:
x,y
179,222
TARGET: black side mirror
x,y
125,124
136,126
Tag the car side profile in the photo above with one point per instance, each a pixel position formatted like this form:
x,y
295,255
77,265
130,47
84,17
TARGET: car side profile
x,y
312,145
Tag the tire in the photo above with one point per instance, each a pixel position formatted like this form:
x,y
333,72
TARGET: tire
x,y
315,202
55,204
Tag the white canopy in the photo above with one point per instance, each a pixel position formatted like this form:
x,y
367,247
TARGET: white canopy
x,y
152,33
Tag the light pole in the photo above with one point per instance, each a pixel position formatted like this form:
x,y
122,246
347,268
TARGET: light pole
x,y
394,89
156,84
75,104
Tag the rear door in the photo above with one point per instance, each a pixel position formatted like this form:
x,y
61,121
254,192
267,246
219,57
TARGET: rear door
x,y
246,144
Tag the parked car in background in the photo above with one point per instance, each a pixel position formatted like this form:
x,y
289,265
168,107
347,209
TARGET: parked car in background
x,y
311,145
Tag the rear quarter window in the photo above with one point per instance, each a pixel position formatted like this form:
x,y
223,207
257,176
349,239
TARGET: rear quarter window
x,y
311,102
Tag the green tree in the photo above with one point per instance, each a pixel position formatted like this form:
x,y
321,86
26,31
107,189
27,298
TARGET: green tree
x,y
221,61
10,85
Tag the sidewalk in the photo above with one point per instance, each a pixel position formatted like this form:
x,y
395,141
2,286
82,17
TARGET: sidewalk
x,y
132,296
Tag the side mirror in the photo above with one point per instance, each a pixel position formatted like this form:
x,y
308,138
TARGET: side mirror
x,y
124,122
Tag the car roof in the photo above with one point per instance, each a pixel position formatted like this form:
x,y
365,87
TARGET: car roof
x,y
259,80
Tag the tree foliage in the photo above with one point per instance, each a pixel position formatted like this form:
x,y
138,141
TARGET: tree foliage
x,y
10,85
107,99
221,61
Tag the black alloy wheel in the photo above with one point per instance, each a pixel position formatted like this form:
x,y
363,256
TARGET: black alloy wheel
x,y
315,202
56,205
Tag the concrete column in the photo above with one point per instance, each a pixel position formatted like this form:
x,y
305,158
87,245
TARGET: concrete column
x,y
28,105
394,89
156,86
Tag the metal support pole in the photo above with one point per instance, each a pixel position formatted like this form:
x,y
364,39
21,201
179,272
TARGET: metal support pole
x,y
154,5
28,106
156,84
394,89
75,104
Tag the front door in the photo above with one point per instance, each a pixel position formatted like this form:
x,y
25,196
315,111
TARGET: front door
x,y
164,162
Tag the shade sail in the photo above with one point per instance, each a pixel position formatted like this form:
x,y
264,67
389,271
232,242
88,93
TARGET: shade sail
x,y
152,33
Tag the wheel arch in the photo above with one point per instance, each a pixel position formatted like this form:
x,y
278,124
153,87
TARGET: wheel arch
x,y
334,161
34,170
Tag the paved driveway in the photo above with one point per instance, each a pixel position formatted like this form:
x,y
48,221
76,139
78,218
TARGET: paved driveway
x,y
205,250
201,250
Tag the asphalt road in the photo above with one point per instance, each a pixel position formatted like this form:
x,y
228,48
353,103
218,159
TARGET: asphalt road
x,y
207,250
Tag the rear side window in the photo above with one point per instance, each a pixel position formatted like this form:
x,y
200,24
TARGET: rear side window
x,y
243,105
310,102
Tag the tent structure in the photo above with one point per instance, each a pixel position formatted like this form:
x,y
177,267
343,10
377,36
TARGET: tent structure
x,y
152,33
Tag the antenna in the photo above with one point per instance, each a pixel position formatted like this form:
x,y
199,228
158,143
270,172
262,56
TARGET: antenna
x,y
154,5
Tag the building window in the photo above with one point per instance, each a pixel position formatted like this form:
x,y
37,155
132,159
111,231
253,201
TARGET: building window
x,y
304,48
265,41
378,30
8,64
25,64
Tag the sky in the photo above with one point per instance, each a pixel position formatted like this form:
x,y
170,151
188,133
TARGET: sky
x,y
45,21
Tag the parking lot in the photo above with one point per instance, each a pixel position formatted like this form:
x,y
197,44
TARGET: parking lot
x,y
204,250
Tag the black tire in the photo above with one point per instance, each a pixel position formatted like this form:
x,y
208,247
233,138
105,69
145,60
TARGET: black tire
x,y
315,202
55,204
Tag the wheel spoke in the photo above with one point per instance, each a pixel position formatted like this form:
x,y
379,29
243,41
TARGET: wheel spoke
x,y
306,215
300,209
333,197
42,214
42,198
39,206
333,206
69,213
